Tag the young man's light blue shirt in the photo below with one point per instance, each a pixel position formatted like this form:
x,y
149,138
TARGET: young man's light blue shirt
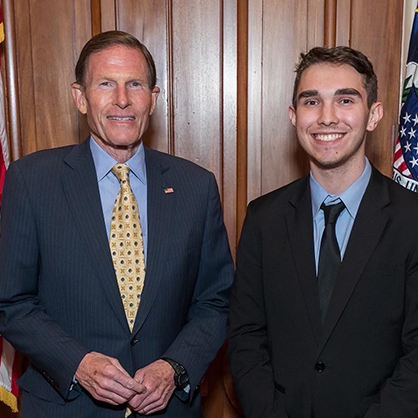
x,y
351,197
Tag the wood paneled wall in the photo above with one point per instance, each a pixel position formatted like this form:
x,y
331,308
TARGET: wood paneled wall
x,y
274,157
225,69
380,38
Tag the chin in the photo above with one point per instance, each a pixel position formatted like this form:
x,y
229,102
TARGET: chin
x,y
329,164
126,144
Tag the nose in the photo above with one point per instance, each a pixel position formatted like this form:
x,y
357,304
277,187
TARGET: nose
x,y
328,115
122,97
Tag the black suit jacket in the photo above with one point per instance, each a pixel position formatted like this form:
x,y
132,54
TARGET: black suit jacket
x,y
364,361
59,297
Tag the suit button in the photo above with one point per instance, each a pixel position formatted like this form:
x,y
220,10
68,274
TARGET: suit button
x,y
320,367
134,341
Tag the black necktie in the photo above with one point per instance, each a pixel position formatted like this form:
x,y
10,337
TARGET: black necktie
x,y
329,257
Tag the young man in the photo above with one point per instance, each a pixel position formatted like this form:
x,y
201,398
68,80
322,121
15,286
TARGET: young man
x,y
114,262
324,313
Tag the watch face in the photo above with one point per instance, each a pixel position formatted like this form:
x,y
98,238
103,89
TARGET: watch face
x,y
182,380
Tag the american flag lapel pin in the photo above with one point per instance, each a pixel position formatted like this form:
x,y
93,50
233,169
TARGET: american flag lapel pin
x,y
168,190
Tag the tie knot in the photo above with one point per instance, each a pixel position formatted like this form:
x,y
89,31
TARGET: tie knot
x,y
332,212
121,171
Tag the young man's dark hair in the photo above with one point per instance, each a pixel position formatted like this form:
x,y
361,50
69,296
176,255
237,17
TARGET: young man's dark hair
x,y
339,55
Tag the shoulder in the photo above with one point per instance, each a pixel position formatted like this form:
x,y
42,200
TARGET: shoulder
x,y
398,195
399,204
176,165
41,160
279,199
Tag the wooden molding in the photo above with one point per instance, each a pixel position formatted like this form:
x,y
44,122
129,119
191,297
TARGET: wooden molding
x,y
11,87
242,113
330,23
96,21
170,77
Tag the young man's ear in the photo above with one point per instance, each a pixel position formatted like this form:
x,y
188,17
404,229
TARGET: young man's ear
x,y
375,115
292,115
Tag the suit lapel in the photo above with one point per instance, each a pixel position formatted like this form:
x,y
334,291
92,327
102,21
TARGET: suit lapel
x,y
82,192
299,228
367,229
160,210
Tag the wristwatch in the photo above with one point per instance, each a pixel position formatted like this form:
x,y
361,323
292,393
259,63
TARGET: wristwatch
x,y
181,379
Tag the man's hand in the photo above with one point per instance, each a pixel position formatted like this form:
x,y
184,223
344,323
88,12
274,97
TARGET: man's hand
x,y
106,380
158,378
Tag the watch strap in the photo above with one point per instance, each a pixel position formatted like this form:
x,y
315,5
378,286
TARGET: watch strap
x,y
181,378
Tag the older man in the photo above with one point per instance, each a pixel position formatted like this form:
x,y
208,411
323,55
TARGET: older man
x,y
114,263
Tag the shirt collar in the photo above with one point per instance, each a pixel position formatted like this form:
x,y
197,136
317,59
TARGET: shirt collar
x,y
351,196
104,162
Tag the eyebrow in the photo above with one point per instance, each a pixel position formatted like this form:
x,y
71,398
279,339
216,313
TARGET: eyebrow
x,y
340,92
307,93
348,92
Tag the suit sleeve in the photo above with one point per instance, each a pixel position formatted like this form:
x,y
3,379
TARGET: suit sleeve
x,y
23,320
398,396
205,331
248,345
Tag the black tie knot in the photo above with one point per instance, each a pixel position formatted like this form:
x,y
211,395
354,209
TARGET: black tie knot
x,y
332,212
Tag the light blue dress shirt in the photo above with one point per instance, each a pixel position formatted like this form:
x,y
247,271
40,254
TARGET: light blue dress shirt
x,y
109,184
351,197
109,188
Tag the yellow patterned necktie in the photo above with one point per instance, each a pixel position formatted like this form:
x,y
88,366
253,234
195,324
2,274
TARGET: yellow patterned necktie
x,y
126,245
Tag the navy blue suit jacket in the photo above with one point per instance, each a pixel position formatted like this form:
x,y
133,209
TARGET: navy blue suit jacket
x,y
59,297
363,362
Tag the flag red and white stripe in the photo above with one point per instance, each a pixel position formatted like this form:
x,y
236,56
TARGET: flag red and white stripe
x,y
9,373
10,361
4,151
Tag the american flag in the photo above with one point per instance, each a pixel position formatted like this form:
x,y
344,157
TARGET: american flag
x,y
10,364
10,361
405,163
4,149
